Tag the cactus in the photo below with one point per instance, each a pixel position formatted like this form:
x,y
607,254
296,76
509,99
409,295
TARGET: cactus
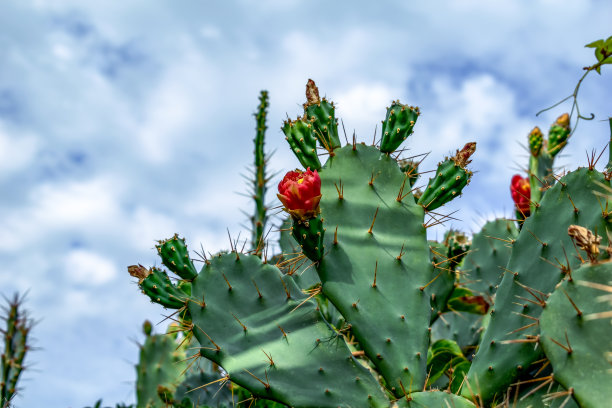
x,y
260,179
16,345
575,331
347,309
161,363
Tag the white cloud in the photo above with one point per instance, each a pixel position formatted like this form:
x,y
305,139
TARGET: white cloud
x,y
18,149
87,267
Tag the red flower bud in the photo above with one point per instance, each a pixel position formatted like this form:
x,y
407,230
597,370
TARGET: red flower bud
x,y
300,193
521,193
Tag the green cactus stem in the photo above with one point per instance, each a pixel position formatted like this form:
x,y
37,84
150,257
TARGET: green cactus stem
x,y
260,217
303,142
16,345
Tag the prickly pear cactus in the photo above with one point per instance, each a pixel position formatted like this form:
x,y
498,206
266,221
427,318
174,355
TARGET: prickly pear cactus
x,y
576,334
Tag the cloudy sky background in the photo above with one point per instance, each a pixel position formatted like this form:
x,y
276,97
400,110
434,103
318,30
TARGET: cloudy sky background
x,y
124,122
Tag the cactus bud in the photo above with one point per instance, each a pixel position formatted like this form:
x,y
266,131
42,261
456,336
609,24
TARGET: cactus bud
x,y
585,240
536,139
558,134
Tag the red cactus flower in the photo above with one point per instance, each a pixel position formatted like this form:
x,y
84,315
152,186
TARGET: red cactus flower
x,y
521,193
300,193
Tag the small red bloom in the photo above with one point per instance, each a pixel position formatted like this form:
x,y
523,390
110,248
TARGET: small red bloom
x,y
521,193
300,193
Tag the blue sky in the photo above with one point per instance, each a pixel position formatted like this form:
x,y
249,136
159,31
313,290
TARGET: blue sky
x,y
122,123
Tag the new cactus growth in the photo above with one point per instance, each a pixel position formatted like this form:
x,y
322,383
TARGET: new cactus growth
x,y
397,126
451,177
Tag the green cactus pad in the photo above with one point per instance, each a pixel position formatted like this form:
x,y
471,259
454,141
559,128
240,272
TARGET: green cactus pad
x,y
434,399
160,289
397,126
309,234
323,118
411,169
376,264
482,267
446,358
161,363
191,394
448,183
442,280
533,271
256,324
585,361
175,256
463,328
301,138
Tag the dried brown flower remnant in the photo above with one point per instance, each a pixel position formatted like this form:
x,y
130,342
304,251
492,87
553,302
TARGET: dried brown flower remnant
x,y
312,93
585,240
138,271
462,157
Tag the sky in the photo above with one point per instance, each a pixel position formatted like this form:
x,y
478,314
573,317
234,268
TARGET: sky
x,y
122,123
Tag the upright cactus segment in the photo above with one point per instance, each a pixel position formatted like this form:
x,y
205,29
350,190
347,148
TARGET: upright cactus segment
x,y
484,265
16,345
162,362
259,217
302,140
321,113
542,156
576,334
541,257
175,256
397,126
376,262
450,179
